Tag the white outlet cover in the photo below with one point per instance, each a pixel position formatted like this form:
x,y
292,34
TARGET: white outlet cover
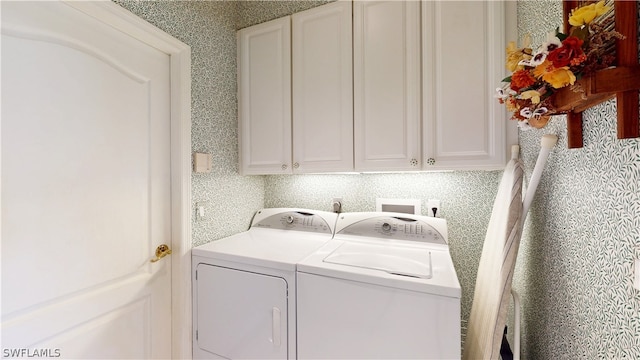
x,y
433,203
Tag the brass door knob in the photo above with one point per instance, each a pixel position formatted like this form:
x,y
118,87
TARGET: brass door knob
x,y
161,251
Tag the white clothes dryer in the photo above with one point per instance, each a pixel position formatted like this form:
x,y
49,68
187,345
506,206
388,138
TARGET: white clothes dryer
x,y
383,288
244,286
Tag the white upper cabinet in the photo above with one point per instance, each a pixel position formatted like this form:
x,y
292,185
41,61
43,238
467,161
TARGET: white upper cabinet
x,y
264,98
386,53
413,90
463,61
311,129
322,89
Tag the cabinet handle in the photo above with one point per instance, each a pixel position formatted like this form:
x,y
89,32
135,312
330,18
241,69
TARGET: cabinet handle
x,y
284,166
296,165
431,161
413,162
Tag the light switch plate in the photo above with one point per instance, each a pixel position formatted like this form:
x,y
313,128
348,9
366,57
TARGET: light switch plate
x,y
201,210
202,162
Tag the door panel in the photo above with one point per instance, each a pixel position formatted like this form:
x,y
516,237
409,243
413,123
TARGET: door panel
x,y
264,98
386,58
241,315
322,89
463,128
85,186
85,340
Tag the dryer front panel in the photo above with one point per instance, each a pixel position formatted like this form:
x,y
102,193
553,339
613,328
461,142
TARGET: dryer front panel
x,y
241,314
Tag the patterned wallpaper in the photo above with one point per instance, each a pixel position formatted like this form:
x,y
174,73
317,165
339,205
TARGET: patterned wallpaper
x,y
209,27
252,12
575,266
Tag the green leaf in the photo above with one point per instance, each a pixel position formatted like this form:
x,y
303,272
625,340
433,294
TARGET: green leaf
x,y
559,35
507,79
580,33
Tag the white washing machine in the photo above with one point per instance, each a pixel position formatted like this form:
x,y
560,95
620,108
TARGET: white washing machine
x,y
244,286
383,288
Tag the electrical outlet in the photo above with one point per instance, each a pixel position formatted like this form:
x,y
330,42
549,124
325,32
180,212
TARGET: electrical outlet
x,y
336,205
433,207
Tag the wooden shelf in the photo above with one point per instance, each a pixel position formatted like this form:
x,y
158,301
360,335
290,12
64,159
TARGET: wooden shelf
x,y
599,87
621,82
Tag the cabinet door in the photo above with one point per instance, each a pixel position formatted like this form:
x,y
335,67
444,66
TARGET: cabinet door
x,y
322,89
463,59
387,85
264,98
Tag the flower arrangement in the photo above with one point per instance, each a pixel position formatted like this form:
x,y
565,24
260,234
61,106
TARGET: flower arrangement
x,y
558,63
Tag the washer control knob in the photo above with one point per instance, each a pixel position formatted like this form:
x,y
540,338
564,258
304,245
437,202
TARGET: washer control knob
x,y
290,219
386,227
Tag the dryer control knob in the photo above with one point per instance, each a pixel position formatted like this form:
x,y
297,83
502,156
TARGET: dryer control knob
x,y
290,219
386,227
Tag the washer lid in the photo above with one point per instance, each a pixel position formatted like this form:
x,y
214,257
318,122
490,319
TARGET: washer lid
x,y
404,261
394,265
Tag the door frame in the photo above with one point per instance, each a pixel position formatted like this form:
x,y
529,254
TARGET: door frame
x,y
181,243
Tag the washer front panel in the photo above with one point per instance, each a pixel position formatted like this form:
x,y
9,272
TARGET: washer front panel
x,y
342,319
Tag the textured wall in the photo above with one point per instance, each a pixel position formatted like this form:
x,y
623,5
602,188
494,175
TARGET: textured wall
x,y
252,12
575,264
209,27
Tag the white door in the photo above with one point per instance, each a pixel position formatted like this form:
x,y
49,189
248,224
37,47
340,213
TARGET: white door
x,y
322,89
264,98
386,78
85,187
